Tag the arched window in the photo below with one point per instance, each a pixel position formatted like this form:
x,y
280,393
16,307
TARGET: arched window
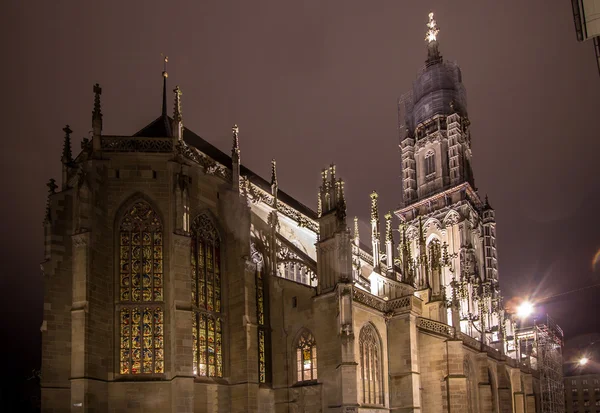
x,y
371,366
430,164
141,314
206,299
306,357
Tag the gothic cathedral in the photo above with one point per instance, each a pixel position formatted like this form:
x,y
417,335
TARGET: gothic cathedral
x,y
177,280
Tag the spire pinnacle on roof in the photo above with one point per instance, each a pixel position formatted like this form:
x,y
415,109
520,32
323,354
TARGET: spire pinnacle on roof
x,y
235,150
177,115
432,29
165,75
433,54
273,175
274,185
67,156
97,112
356,234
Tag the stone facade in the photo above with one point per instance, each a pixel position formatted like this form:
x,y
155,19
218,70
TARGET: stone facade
x,y
279,308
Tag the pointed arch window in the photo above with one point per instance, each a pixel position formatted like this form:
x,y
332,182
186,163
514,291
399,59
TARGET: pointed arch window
x,y
206,299
371,366
430,164
306,357
141,312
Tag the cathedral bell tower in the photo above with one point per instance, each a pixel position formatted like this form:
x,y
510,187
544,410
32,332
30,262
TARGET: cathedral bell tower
x,y
448,232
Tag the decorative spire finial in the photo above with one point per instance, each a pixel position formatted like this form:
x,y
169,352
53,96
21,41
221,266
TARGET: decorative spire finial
x,y
356,234
97,113
165,75
433,53
51,186
388,227
374,209
274,185
177,117
236,143
67,156
432,29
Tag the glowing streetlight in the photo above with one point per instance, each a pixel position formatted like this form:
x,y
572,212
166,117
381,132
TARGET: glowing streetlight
x,y
524,310
583,361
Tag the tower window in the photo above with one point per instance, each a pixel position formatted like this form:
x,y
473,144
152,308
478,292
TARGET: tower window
x,y
430,164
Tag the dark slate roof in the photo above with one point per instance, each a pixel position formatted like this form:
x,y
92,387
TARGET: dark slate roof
x,y
159,129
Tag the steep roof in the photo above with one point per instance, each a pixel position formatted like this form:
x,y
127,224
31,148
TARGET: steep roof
x,y
161,128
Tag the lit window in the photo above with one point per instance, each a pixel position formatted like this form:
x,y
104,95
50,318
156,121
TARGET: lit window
x,y
429,164
206,299
306,357
584,382
573,382
141,291
371,366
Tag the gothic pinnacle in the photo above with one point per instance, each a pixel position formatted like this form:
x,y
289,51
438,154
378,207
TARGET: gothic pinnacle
x,y
67,156
356,234
177,116
374,209
97,112
235,151
274,185
388,227
51,186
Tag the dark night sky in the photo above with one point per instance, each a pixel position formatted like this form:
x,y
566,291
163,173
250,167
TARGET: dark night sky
x,y
311,82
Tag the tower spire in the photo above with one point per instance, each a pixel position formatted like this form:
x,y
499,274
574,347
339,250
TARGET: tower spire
x,y
165,76
433,53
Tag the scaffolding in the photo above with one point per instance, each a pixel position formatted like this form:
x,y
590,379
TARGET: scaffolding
x,y
540,348
549,339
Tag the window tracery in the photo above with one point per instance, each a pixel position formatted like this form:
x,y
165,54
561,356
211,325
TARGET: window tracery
x,y
306,357
141,320
206,299
371,366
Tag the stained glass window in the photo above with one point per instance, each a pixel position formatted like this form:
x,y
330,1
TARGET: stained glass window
x,y
306,357
371,366
206,298
140,288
